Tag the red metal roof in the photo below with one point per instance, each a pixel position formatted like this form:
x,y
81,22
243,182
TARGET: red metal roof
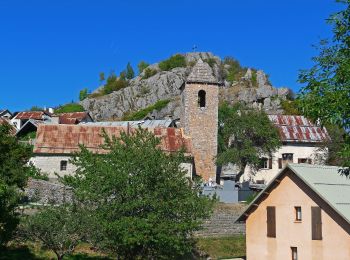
x,y
298,129
65,139
72,118
37,115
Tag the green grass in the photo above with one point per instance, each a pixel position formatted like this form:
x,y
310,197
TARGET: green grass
x,y
33,251
69,108
223,247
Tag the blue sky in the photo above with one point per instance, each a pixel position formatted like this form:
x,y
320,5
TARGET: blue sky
x,y
49,50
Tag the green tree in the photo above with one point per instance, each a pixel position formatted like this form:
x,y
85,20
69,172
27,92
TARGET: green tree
x,y
36,108
83,94
130,74
102,77
325,95
141,66
14,172
245,136
56,227
136,198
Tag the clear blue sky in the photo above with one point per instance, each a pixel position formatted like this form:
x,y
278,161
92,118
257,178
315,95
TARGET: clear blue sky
x,y
49,50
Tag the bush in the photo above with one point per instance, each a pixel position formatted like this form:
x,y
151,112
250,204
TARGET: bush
x,y
290,107
142,66
210,61
114,83
173,62
70,108
130,74
235,71
149,72
159,105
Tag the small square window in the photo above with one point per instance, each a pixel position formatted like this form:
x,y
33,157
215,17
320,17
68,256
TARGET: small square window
x,y
63,165
294,251
264,163
298,216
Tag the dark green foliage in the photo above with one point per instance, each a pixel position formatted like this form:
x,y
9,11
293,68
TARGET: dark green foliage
x,y
69,108
174,61
36,173
13,176
254,78
114,83
83,94
235,71
149,72
326,92
290,107
137,201
36,108
245,135
56,227
142,66
159,105
129,74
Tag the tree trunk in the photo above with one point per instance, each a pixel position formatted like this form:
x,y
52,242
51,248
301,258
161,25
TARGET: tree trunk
x,y
240,173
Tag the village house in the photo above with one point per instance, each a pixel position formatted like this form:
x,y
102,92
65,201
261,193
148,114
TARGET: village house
x,y
56,143
22,117
303,213
301,143
72,118
6,114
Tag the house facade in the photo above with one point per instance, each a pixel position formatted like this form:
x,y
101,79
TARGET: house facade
x,y
56,144
5,114
303,213
301,143
21,118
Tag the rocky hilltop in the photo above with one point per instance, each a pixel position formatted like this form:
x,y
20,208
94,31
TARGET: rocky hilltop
x,y
143,91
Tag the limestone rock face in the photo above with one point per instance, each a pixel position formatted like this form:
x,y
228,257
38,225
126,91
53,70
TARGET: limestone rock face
x,y
142,93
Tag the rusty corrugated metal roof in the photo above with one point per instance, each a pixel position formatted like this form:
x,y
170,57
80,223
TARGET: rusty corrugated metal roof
x,y
298,129
72,118
65,139
37,115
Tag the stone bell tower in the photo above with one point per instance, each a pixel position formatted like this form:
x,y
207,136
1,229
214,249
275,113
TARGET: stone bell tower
x,y
200,98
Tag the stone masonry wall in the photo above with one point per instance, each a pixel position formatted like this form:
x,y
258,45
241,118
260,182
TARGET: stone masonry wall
x,y
50,164
201,123
222,223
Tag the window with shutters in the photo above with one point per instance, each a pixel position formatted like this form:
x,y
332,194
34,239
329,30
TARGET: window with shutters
x,y
302,160
287,158
271,221
294,251
316,223
297,213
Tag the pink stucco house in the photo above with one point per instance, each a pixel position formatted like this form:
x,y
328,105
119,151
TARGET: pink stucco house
x,y
304,213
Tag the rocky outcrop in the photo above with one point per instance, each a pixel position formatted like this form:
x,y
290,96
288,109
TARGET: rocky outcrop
x,y
142,93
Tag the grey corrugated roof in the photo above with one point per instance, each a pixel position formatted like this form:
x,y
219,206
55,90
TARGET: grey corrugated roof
x,y
142,123
202,73
326,181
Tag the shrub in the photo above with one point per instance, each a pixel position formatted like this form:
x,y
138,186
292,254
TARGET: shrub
x,y
149,72
235,71
70,108
175,61
114,83
159,105
290,107
142,66
211,62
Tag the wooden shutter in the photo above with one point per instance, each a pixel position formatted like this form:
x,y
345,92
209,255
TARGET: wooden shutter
x,y
300,160
316,223
309,161
271,221
279,163
270,163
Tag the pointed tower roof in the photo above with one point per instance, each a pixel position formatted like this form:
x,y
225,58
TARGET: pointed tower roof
x,y
202,73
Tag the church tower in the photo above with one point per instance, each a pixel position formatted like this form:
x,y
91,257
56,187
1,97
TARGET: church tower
x,y
200,98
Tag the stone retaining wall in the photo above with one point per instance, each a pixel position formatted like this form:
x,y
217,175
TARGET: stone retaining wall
x,y
222,222
45,192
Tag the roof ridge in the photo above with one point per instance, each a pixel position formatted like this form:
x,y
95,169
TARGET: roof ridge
x,y
313,166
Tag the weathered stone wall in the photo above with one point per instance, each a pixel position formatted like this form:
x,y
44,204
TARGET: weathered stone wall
x,y
45,192
50,164
201,123
222,222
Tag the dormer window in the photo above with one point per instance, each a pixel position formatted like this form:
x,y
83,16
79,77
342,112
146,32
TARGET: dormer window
x,y
201,98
